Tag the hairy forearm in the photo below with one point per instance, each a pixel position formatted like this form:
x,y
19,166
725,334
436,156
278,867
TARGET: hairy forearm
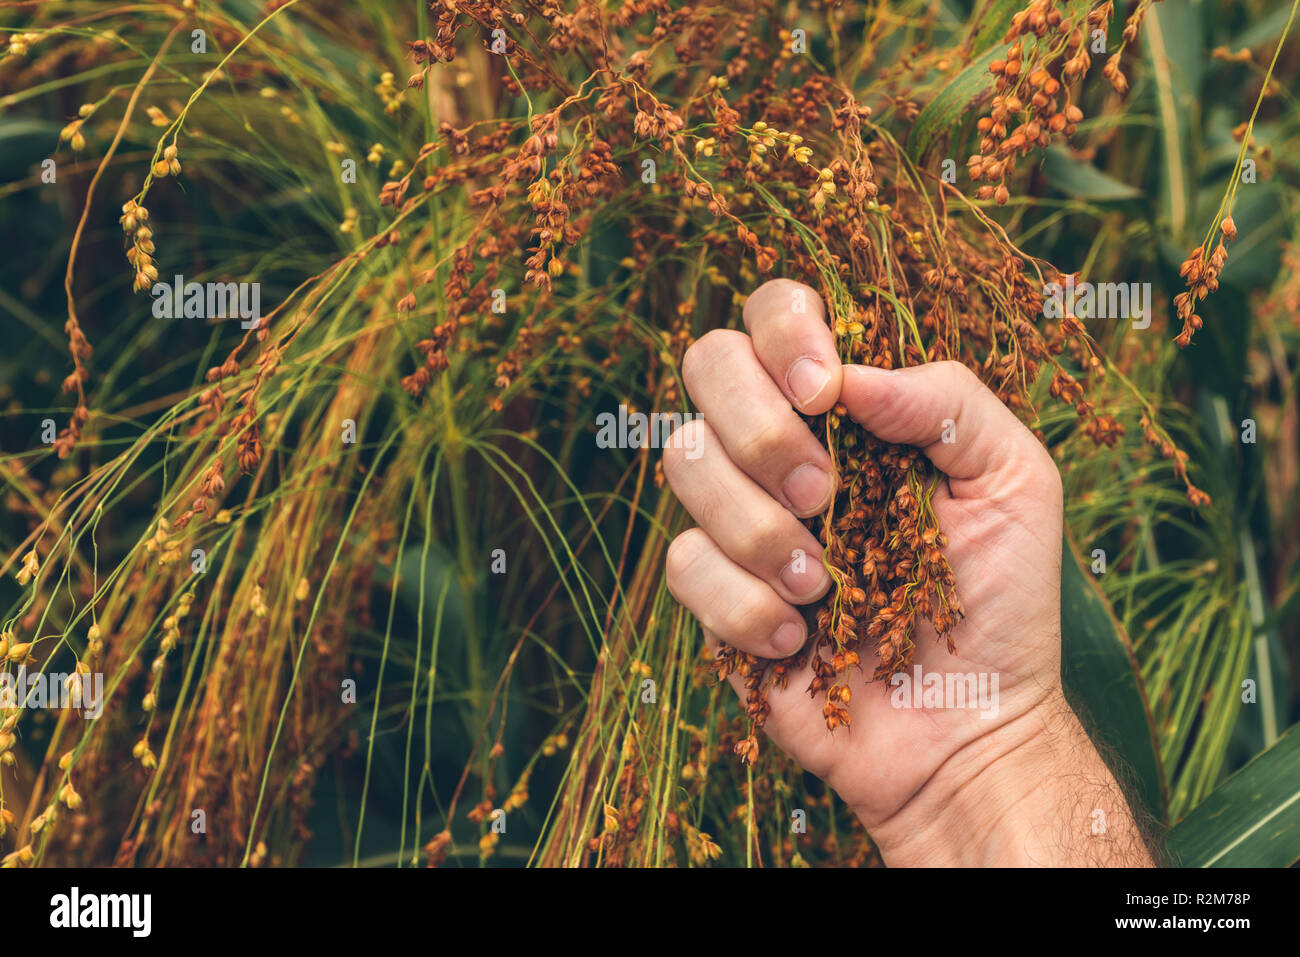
x,y
1033,793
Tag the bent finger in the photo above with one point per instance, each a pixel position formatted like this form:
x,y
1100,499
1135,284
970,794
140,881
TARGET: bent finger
x,y
794,344
736,606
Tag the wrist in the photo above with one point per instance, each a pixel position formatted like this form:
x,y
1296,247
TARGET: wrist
x,y
1032,792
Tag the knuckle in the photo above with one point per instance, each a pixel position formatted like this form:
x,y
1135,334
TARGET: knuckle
x,y
778,297
780,291
958,370
777,285
959,401
742,618
961,379
705,353
764,444
770,291
685,446
762,539
684,551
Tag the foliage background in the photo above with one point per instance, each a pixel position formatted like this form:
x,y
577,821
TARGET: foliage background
x,y
471,683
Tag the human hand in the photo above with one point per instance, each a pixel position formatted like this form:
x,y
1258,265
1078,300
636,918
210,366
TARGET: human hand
x,y
921,779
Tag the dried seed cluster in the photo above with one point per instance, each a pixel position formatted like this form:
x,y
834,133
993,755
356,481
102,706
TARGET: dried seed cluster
x,y
904,282
764,166
1201,272
1049,53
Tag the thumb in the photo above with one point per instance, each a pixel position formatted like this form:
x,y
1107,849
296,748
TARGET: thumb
x,y
961,426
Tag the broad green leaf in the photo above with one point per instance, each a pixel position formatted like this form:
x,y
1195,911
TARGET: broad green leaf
x,y
1264,30
1252,819
992,22
941,115
23,144
440,573
1082,180
1260,212
993,19
1174,43
1101,680
1257,727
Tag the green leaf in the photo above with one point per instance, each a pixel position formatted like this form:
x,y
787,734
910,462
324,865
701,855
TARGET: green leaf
x,y
1262,218
1101,679
944,113
1082,180
992,23
23,144
942,116
440,572
1252,819
1174,44
1263,30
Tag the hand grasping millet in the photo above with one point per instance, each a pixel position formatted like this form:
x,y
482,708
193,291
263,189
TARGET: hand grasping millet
x,y
959,459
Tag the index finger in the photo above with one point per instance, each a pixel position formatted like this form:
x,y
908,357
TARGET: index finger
x,y
787,322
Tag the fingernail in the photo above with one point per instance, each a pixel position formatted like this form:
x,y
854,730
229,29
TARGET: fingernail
x,y
788,639
806,577
806,379
807,488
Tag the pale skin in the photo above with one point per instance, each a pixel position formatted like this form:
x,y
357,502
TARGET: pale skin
x,y
932,787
